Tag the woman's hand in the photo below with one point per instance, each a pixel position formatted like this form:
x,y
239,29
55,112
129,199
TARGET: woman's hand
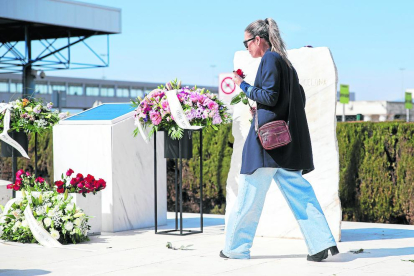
x,y
237,79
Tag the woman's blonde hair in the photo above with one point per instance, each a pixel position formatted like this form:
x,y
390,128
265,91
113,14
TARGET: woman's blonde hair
x,y
268,30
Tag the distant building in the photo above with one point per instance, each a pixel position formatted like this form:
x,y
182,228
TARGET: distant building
x,y
79,93
375,111
351,96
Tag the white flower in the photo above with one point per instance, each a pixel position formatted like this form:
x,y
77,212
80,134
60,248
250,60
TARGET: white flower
x,y
40,210
1,231
69,207
2,219
69,226
16,225
18,201
16,213
25,223
47,222
78,222
54,234
51,213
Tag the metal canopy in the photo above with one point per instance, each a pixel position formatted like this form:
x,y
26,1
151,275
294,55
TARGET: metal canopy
x,y
55,19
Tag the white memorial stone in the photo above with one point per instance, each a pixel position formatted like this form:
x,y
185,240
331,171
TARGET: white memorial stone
x,y
108,150
318,76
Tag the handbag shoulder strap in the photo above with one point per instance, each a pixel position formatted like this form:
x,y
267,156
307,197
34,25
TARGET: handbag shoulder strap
x,y
256,115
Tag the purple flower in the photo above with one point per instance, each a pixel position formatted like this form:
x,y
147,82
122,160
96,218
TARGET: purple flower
x,y
49,106
217,120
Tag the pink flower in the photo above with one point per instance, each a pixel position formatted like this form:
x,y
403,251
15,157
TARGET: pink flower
x,y
40,179
27,173
155,118
19,173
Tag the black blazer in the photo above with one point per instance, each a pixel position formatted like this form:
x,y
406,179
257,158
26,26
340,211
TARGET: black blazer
x,y
271,92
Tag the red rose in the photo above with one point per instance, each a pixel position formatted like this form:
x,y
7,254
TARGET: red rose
x,y
90,179
80,177
89,186
101,183
80,185
60,190
16,187
40,179
69,172
74,181
10,186
59,183
19,173
240,73
18,182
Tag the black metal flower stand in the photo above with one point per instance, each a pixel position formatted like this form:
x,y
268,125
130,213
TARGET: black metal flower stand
x,y
178,190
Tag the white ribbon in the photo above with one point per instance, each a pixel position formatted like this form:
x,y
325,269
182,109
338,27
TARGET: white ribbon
x,y
39,233
177,111
4,136
141,130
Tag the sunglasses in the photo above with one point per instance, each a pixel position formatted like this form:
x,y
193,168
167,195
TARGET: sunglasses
x,y
245,42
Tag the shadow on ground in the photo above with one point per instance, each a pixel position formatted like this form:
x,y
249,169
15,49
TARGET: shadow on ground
x,y
23,272
369,234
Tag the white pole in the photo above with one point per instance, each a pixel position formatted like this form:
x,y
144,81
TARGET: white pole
x,y
343,112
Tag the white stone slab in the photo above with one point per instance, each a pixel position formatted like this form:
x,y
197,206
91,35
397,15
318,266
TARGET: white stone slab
x,y
125,162
5,194
318,76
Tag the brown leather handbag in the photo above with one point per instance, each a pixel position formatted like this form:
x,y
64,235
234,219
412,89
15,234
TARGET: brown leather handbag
x,y
274,134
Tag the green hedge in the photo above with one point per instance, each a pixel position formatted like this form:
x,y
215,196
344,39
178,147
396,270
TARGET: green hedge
x,y
44,162
376,171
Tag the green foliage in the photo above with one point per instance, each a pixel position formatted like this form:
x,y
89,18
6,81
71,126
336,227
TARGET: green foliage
x,y
44,162
377,171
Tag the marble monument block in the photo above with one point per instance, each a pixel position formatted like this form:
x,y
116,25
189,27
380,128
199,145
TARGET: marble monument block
x,y
318,76
100,142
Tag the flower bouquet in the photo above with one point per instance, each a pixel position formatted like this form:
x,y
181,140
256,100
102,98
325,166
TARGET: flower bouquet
x,y
55,212
31,116
201,108
79,184
25,181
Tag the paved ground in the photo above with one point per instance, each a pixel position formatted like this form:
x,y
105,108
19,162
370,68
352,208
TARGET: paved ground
x,y
387,251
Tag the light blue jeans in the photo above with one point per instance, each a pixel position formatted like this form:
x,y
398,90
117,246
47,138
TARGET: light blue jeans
x,y
298,192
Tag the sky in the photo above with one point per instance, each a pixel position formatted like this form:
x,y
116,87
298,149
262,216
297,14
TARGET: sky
x,y
195,41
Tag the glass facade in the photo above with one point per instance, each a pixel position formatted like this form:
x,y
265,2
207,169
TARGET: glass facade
x,y
75,90
122,92
41,88
92,91
4,86
58,87
16,87
108,91
135,92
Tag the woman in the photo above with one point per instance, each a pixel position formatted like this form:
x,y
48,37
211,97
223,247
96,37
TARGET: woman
x,y
275,80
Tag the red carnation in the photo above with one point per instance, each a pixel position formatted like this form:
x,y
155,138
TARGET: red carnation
x,y
80,185
16,187
59,183
10,186
27,173
40,179
60,190
69,172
